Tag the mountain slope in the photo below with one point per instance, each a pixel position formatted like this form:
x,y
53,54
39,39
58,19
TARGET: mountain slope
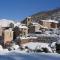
x,y
51,14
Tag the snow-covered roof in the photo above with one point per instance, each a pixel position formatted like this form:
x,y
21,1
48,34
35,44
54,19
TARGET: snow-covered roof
x,y
35,23
46,35
29,17
51,21
23,38
17,24
32,37
5,22
23,26
28,37
20,25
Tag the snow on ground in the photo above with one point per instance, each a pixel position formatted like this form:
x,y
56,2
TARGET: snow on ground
x,y
17,55
23,55
53,44
37,45
15,46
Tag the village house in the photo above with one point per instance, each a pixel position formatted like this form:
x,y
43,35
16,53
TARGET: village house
x,y
49,24
7,36
6,33
27,21
23,31
20,30
34,27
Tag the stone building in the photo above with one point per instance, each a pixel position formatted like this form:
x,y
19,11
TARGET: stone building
x,y
34,27
23,31
49,23
27,21
7,36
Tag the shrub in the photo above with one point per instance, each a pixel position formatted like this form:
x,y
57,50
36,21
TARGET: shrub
x,y
45,50
58,48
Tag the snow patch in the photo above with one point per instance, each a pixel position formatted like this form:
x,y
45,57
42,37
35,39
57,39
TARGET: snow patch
x,y
34,45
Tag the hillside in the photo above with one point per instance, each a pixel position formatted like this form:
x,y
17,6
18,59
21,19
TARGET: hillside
x,y
51,14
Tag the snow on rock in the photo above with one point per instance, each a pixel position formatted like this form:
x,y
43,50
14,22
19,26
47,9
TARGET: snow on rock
x,y
53,44
17,24
3,51
15,46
